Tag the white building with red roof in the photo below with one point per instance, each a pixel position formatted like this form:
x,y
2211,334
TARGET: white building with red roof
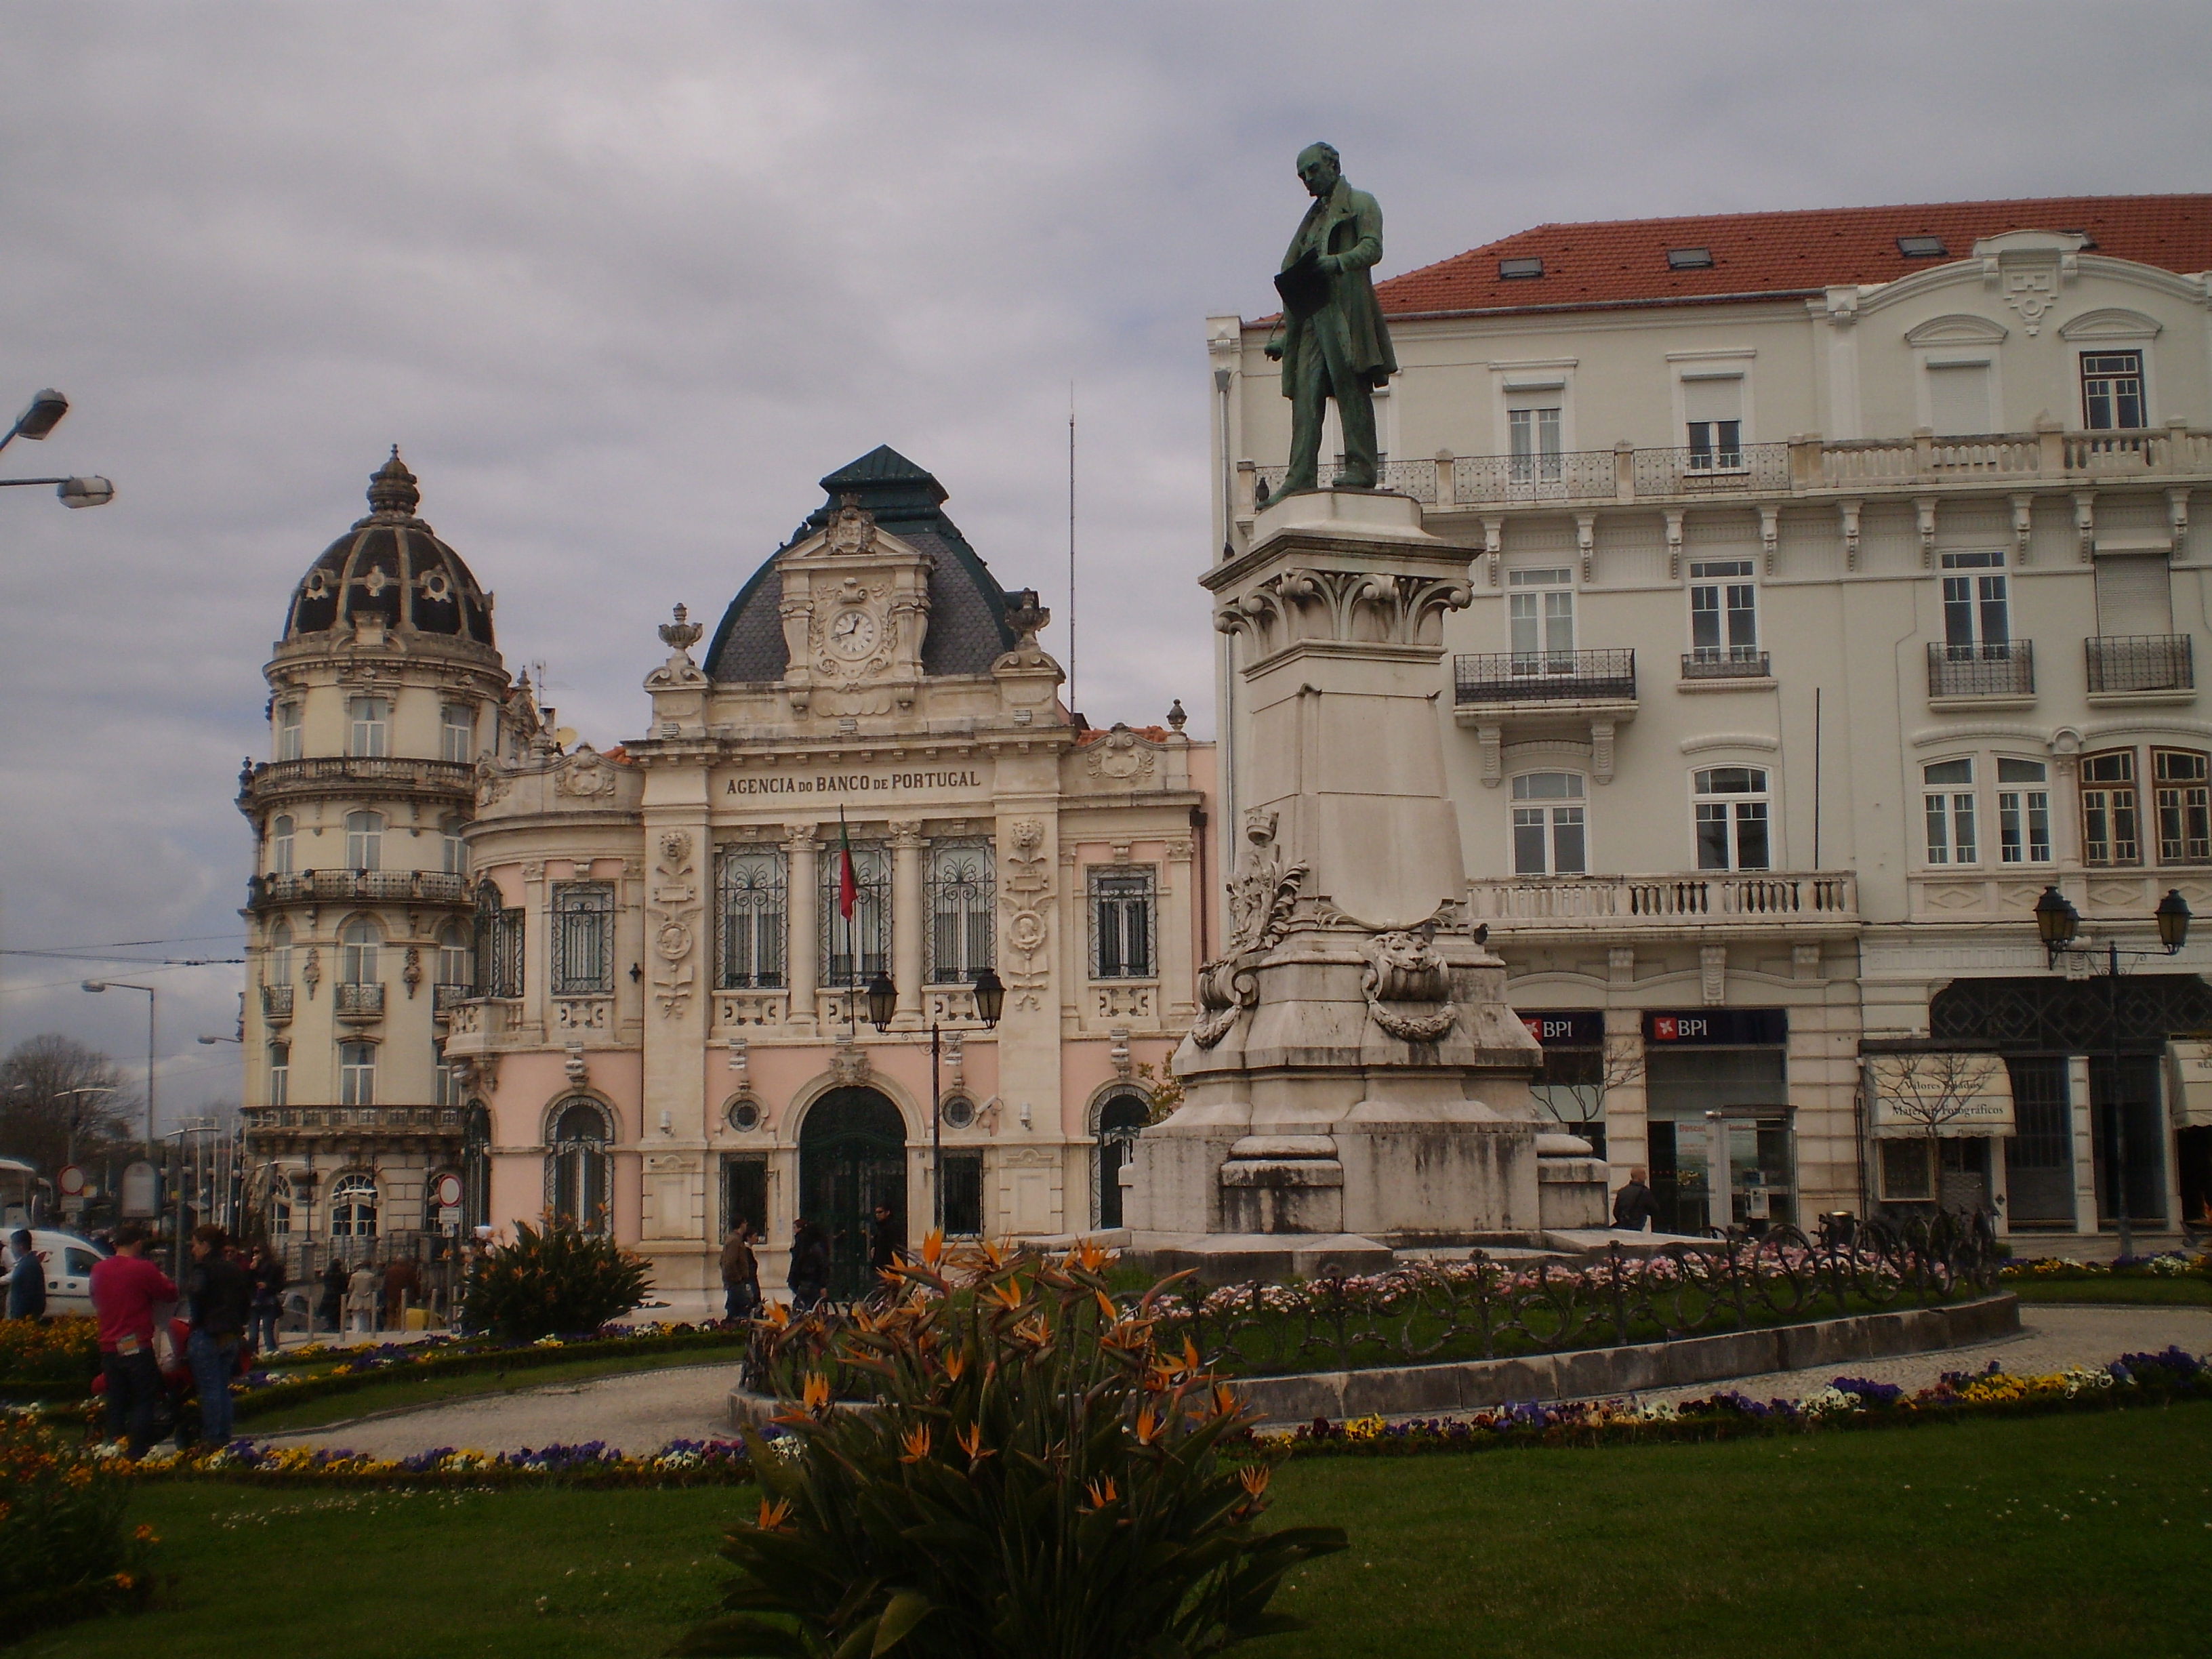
x,y
1838,579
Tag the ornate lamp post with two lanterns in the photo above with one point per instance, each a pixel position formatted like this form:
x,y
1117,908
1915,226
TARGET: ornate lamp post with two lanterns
x,y
883,1006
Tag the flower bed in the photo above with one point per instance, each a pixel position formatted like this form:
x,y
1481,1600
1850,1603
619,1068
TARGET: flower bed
x,y
2058,1269
592,1464
2138,1379
66,1550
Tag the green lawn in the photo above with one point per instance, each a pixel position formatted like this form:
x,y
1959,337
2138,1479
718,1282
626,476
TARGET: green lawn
x,y
2081,1535
412,1391
2134,1293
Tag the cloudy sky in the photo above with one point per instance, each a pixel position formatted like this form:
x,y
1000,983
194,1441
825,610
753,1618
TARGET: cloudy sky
x,y
623,280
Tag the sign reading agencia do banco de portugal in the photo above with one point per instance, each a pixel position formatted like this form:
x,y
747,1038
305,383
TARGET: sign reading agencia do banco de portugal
x,y
851,783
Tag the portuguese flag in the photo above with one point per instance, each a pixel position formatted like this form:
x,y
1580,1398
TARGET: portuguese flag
x,y
848,886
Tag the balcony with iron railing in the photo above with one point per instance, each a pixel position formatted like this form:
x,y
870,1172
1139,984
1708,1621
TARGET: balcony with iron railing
x,y
273,1122
358,886
2004,668
2120,664
358,1004
276,1004
1801,467
374,775
1489,678
1699,901
1733,663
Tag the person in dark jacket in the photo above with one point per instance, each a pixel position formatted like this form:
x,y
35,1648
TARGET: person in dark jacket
x,y
886,1244
329,1306
26,1279
266,1273
810,1267
1634,1208
222,1301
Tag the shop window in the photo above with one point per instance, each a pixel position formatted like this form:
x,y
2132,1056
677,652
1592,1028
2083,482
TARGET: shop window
x,y
364,834
1540,620
457,732
577,1167
856,948
1906,1170
356,1074
280,844
1548,832
964,1194
962,911
1122,904
2023,811
369,727
1949,811
583,938
1723,611
2182,780
2112,391
353,1206
751,917
2110,819
1571,1088
2039,1154
1731,807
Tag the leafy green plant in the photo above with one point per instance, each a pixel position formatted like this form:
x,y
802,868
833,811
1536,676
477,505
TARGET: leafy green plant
x,y
62,1350
66,1550
1035,1476
554,1283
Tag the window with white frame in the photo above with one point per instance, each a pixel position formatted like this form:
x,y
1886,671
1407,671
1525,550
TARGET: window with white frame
x,y
453,851
457,732
2111,831
2112,391
1533,436
359,941
963,908
280,1073
445,1077
280,844
1977,607
1730,804
353,1206
1723,611
1712,405
1122,915
2023,811
1540,611
1947,808
368,726
455,960
583,938
2181,781
290,731
364,834
1549,836
280,954
356,1074
749,916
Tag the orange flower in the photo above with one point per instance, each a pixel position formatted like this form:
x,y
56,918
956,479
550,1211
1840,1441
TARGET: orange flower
x,y
916,1442
1107,1310
774,1515
1225,1403
994,1253
779,1315
933,1247
1190,1359
955,1363
1009,1294
1088,1255
1104,1492
1253,1479
1033,1331
1149,1425
971,1441
817,1396
142,1533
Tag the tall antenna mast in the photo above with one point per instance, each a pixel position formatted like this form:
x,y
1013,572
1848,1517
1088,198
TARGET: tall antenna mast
x,y
1071,547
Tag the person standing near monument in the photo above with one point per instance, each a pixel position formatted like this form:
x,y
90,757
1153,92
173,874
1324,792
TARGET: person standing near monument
x,y
1332,341
1634,1206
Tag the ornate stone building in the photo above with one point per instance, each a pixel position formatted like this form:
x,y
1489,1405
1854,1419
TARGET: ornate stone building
x,y
629,988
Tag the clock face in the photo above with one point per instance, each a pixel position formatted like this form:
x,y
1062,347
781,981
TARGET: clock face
x,y
852,633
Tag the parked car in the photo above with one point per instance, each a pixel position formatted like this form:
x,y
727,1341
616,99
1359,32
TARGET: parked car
x,y
68,1261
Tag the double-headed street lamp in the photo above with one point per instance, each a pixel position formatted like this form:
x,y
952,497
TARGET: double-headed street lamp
x,y
882,1007
44,415
151,999
2056,921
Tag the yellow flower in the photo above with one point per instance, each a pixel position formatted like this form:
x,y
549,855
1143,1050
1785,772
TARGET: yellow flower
x,y
774,1515
1009,1294
933,1247
816,1397
955,1363
971,1441
1225,1403
1252,1478
916,1442
1149,1425
1104,1492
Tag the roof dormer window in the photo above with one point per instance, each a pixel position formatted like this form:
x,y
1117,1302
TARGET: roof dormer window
x,y
1689,258
1519,269
1921,247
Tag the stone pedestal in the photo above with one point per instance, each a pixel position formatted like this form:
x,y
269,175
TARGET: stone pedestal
x,y
1355,1082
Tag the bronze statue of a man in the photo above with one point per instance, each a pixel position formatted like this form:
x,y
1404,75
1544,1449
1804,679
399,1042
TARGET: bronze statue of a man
x,y
1332,340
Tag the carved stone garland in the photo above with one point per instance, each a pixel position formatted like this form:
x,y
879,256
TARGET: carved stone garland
x,y
1403,968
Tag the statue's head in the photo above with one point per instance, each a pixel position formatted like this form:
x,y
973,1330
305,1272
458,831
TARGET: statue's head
x,y
1319,168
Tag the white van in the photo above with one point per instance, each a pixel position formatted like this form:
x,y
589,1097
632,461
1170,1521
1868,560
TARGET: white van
x,y
68,1261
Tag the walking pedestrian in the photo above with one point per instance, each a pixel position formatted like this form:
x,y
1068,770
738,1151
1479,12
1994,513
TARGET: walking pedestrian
x,y
125,1289
266,1273
402,1283
361,1297
333,1295
1634,1207
740,1274
26,1279
221,1297
810,1267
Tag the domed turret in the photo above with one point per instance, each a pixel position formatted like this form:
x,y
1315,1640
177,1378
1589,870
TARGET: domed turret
x,y
391,565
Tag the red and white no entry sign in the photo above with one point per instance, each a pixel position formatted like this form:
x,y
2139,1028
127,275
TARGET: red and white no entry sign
x,y
70,1180
446,1191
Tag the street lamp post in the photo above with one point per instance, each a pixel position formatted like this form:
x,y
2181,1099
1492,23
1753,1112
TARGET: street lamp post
x,y
151,999
44,415
883,1005
2056,921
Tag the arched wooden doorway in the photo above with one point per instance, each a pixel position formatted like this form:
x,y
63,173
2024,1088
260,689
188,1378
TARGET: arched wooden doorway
x,y
852,1157
1120,1119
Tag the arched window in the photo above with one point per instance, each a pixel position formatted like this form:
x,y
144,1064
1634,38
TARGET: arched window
x,y
577,1167
476,1168
1120,1120
279,969
1731,804
280,845
364,840
358,946
1548,832
353,1206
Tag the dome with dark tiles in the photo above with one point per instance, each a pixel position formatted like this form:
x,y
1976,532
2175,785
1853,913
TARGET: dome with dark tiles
x,y
968,626
391,565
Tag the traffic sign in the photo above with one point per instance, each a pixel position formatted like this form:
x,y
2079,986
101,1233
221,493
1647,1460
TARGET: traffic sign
x,y
142,1192
70,1180
446,1191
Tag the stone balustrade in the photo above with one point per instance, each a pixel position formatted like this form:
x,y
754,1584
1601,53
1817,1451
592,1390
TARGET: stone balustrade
x,y
1599,903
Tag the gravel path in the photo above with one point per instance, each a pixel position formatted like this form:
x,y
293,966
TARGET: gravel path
x,y
643,1412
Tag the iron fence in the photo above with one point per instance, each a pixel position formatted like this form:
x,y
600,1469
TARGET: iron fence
x,y
2005,669
2140,662
1521,676
1734,664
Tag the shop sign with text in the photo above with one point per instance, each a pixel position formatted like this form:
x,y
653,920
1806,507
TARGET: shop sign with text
x,y
1731,1027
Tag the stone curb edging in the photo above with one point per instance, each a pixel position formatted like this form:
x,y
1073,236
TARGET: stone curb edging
x,y
1590,1373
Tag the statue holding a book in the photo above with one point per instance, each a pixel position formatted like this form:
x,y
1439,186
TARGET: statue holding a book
x,y
1332,340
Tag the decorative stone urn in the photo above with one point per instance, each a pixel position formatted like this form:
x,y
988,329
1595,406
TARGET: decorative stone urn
x,y
1355,1083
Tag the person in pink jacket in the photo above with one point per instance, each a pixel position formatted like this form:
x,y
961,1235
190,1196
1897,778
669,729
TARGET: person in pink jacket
x,y
125,1290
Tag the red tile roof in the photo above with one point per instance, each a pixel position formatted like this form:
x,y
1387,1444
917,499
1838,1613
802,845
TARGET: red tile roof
x,y
1624,261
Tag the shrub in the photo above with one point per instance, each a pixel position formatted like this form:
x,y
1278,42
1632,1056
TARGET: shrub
x,y
1037,1475
63,1350
554,1283
65,1549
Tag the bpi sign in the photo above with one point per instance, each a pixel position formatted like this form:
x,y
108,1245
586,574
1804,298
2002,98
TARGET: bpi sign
x,y
1734,1028
1568,1030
